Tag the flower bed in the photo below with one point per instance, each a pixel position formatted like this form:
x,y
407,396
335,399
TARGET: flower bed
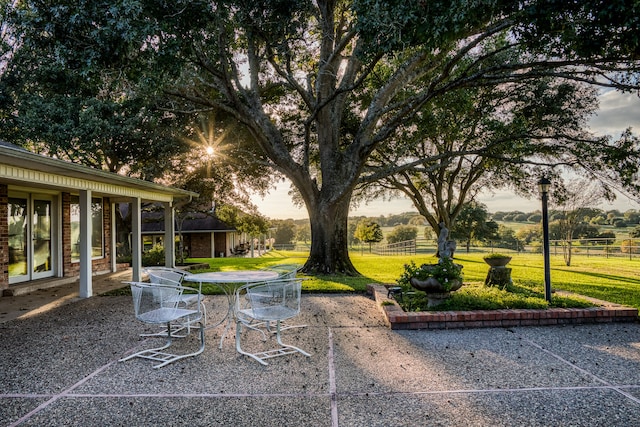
x,y
396,318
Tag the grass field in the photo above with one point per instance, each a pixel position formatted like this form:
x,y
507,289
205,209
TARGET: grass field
x,y
612,279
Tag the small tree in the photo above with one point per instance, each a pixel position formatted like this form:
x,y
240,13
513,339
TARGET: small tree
x,y
632,216
303,233
473,223
629,246
402,233
369,232
252,224
285,231
507,239
529,234
351,233
578,197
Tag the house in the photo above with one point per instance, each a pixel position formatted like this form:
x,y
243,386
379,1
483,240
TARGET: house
x,y
203,235
57,218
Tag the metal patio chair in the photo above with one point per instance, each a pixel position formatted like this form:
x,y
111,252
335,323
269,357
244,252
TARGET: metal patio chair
x,y
174,277
157,304
272,301
286,271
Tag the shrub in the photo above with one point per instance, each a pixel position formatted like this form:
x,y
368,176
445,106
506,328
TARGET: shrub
x,y
630,247
402,233
619,223
153,257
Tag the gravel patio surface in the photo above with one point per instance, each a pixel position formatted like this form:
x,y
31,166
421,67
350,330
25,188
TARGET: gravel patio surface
x,y
60,368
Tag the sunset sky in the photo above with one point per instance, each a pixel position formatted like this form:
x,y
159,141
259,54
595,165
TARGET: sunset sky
x,y
617,112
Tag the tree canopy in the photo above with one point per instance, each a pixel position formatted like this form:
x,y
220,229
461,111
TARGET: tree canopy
x,y
320,85
477,139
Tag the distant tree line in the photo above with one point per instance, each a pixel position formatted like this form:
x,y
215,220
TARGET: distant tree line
x,y
476,226
591,216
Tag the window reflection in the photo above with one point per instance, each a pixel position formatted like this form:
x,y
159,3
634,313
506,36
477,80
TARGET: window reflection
x,y
97,227
17,236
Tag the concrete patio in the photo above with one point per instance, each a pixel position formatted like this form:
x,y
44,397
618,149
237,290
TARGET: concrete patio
x,y
60,368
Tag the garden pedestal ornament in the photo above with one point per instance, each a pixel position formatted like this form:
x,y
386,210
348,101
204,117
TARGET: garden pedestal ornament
x,y
499,274
436,292
442,278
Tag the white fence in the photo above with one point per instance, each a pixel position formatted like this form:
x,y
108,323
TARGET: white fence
x,y
629,248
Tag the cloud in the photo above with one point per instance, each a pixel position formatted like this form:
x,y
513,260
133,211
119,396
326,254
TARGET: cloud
x,y
617,112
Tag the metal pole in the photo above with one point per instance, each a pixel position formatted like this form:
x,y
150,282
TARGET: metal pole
x,y
545,248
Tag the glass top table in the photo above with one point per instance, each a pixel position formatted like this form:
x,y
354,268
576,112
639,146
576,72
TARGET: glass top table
x,y
237,276
228,282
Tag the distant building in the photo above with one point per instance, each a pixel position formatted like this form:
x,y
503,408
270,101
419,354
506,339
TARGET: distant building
x,y
204,235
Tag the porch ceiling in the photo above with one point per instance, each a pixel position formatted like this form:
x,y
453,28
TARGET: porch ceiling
x,y
24,168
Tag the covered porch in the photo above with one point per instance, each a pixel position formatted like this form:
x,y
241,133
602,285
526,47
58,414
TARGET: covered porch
x,y
57,220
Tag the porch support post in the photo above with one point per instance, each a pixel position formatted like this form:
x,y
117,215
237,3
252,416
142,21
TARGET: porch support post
x,y
112,243
86,283
136,239
169,236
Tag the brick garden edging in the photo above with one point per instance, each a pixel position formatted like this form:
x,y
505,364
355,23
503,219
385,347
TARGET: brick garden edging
x,y
396,318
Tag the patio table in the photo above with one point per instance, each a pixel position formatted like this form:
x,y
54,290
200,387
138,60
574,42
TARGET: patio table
x,y
228,282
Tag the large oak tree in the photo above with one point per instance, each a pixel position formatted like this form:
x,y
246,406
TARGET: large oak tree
x,y
320,84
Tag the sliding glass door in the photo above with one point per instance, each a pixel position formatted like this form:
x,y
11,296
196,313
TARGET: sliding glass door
x,y
31,237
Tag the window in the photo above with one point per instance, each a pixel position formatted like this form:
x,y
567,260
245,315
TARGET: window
x,y
97,228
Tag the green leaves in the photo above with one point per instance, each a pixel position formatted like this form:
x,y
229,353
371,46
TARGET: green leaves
x,y
387,26
587,29
368,232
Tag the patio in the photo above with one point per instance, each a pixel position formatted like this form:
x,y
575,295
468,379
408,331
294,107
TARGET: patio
x,y
60,368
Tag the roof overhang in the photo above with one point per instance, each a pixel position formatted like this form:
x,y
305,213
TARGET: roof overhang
x,y
20,167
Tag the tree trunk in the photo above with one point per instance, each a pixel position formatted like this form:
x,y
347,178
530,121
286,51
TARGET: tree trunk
x,y
567,253
329,247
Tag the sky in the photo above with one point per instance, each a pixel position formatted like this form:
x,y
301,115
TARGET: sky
x,y
617,112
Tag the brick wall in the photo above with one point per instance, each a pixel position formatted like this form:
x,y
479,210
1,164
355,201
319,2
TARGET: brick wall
x,y
72,269
67,270
4,237
200,245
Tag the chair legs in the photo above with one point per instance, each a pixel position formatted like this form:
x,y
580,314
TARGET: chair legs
x,y
177,328
283,326
158,355
176,331
283,350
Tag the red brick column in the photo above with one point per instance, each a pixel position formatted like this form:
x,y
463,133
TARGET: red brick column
x,y
4,236
68,269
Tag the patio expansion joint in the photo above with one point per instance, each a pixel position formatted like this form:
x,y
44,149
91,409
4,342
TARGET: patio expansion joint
x,y
64,393
605,383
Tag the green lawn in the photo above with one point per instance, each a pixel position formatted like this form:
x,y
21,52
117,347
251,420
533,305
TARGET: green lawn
x,y
613,279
